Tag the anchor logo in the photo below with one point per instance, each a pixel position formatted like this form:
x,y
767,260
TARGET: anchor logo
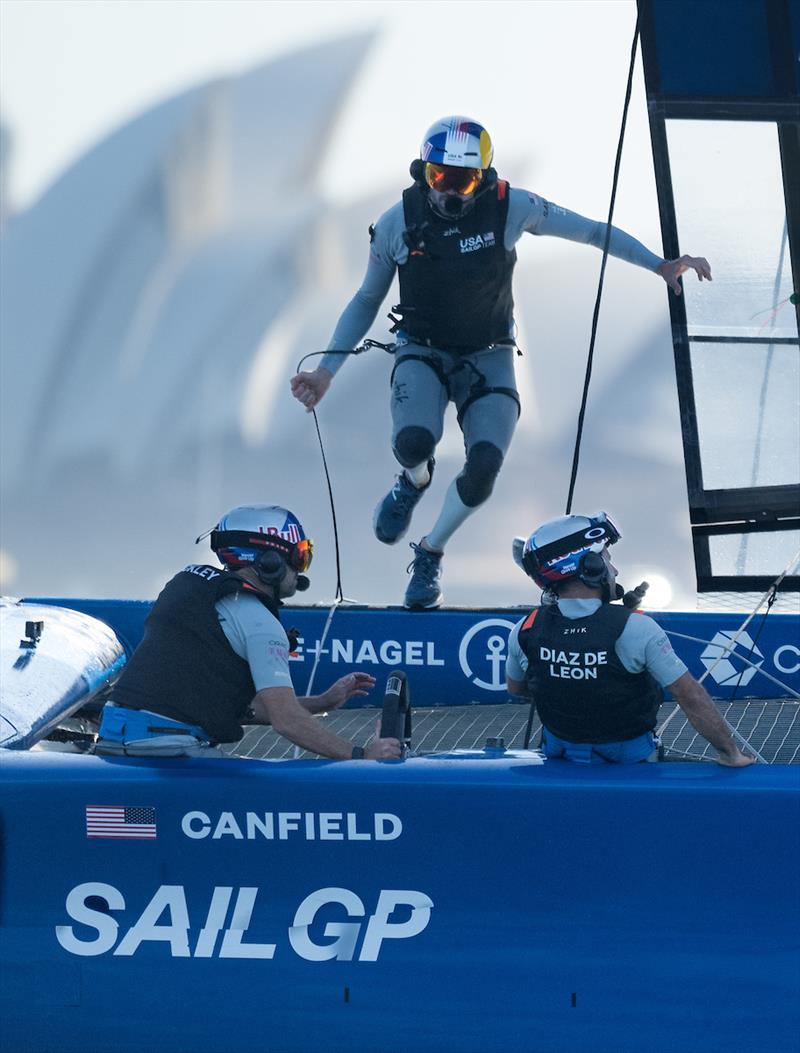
x,y
494,653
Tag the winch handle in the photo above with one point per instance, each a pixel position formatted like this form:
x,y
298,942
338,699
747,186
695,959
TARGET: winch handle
x,y
396,715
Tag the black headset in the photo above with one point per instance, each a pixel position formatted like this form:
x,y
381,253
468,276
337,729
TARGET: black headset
x,y
593,570
270,566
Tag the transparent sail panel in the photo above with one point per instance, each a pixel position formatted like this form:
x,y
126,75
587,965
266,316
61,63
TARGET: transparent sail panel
x,y
729,205
760,553
748,413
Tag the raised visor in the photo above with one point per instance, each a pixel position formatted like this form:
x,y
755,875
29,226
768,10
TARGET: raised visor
x,y
453,903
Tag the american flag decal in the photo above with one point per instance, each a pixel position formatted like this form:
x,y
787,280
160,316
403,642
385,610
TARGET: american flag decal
x,y
116,820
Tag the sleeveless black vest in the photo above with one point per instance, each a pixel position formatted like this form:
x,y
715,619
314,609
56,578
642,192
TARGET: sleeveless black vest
x,y
184,668
455,288
582,691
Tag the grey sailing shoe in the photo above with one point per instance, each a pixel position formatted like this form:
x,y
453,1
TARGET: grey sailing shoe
x,y
424,590
392,517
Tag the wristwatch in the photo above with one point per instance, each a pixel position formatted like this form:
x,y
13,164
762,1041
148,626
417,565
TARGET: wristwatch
x,y
358,753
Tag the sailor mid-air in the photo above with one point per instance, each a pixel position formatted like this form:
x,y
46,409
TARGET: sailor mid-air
x,y
452,240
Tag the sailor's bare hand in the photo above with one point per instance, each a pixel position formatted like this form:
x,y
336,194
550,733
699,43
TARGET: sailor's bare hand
x,y
309,388
671,270
353,685
735,759
382,749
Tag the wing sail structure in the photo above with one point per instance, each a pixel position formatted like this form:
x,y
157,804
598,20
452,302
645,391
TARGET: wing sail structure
x,y
722,93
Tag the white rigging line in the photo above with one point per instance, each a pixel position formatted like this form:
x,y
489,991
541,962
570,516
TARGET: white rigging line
x,y
320,644
727,648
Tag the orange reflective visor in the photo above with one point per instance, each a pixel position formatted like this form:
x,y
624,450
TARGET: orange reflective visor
x,y
462,181
304,551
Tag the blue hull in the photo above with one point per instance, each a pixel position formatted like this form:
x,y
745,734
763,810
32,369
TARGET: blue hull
x,y
454,903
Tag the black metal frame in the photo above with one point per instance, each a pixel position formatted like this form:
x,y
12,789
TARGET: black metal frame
x,y
747,509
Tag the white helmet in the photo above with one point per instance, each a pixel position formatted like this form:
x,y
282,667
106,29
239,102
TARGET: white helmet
x,y
566,548
457,141
266,537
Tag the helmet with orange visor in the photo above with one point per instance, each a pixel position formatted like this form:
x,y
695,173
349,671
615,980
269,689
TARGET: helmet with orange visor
x,y
455,155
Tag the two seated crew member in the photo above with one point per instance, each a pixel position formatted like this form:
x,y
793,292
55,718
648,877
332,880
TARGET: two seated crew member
x,y
595,670
214,654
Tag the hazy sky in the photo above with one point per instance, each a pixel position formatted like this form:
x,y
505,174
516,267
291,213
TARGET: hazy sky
x,y
546,76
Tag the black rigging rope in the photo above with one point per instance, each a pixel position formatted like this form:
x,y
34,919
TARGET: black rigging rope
x,y
582,413
339,592
365,346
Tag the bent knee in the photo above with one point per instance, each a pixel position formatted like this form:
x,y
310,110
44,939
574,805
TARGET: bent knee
x,y
414,445
476,481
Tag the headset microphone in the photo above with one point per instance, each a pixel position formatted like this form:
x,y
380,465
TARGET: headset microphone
x,y
302,583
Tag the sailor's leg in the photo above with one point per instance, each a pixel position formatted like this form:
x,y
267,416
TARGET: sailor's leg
x,y
419,399
488,415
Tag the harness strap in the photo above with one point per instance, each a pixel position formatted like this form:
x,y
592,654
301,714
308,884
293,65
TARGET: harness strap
x,y
121,724
437,369
481,393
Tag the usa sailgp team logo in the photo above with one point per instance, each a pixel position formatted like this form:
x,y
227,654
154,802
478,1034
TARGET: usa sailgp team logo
x,y
477,241
482,653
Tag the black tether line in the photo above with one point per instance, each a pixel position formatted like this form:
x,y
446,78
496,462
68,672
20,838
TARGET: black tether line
x,y
582,413
339,592
365,346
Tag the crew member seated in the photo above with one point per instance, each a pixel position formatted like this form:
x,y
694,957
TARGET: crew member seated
x,y
594,669
215,656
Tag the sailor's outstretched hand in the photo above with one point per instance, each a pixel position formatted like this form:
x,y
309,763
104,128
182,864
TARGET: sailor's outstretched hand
x,y
309,388
353,685
671,270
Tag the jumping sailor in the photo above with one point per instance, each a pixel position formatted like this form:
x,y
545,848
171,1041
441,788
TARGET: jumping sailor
x,y
452,239
595,670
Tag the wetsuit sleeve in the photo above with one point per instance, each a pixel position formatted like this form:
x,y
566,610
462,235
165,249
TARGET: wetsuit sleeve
x,y
532,214
386,250
516,661
258,637
643,644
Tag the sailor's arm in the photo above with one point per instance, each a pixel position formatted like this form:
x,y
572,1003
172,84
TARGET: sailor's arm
x,y
353,685
706,719
356,319
516,664
280,707
537,216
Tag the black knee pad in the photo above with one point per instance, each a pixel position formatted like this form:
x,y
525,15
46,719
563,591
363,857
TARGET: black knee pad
x,y
413,446
477,479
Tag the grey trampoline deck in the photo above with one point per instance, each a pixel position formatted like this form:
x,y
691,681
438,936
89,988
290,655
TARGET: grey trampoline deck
x,y
771,726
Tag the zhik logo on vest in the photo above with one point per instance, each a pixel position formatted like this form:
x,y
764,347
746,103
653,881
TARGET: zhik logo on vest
x,y
477,241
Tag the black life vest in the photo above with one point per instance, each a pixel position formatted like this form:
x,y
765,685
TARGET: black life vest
x,y
455,287
184,668
582,691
